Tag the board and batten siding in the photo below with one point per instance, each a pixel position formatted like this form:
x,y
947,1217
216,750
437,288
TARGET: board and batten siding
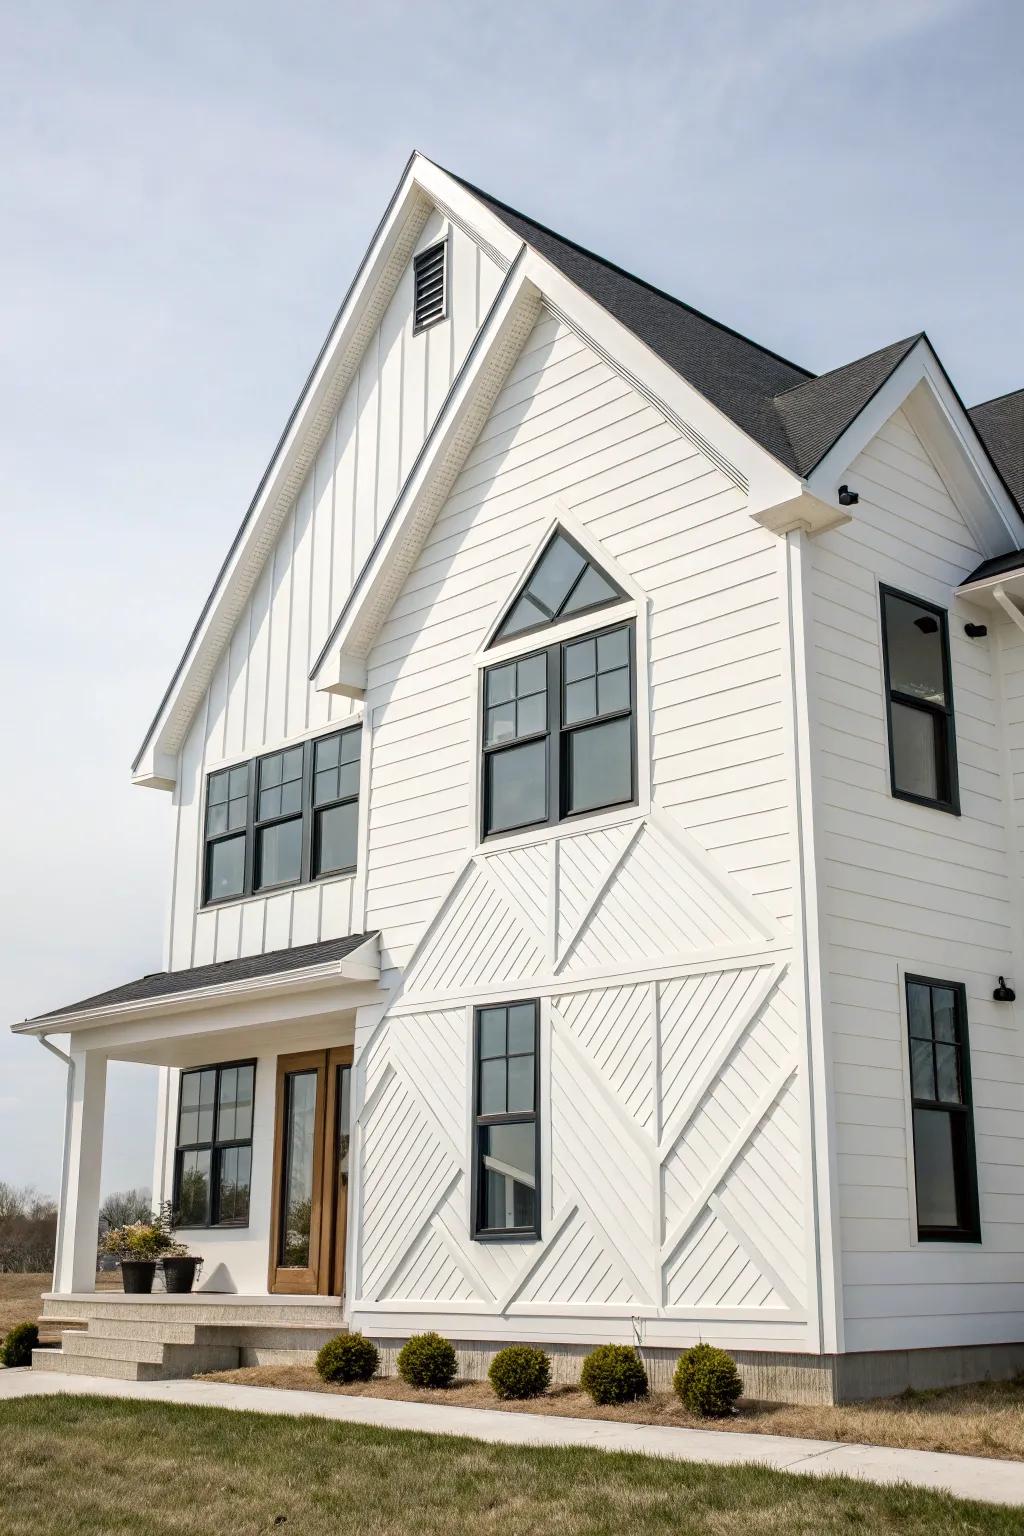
x,y
909,888
567,426
260,697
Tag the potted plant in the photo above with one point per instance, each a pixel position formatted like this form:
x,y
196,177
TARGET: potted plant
x,y
180,1268
137,1246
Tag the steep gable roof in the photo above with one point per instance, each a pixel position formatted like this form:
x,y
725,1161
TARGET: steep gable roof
x,y
816,414
1000,425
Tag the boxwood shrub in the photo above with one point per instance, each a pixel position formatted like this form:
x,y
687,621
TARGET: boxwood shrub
x,y
348,1357
521,1370
427,1360
18,1345
614,1373
707,1382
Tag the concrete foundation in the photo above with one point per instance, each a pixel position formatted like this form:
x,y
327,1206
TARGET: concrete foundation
x,y
188,1334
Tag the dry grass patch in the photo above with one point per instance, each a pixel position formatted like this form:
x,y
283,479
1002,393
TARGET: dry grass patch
x,y
983,1420
81,1466
20,1301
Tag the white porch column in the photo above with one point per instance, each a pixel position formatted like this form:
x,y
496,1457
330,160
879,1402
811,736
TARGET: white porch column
x,y
79,1216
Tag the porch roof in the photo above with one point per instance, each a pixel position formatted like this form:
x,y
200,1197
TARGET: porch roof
x,y
354,957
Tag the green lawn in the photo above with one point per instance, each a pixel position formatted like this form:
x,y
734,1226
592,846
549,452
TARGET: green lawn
x,y
80,1466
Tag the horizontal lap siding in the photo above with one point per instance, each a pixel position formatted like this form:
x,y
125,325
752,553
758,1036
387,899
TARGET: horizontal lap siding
x,y
904,884
260,696
566,425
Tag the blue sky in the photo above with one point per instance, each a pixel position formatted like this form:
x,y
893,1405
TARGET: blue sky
x,y
186,191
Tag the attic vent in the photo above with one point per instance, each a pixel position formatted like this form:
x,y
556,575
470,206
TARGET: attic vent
x,y
431,286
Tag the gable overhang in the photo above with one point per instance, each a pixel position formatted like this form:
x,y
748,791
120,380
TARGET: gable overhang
x,y
423,187
532,283
920,386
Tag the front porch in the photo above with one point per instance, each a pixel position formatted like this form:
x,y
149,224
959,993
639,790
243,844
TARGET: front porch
x,y
251,1147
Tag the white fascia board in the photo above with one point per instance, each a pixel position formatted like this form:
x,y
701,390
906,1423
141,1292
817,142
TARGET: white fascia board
x,y
361,967
372,289
920,385
341,665
532,281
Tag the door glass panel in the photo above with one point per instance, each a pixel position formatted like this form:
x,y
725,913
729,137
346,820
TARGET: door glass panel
x,y
299,1138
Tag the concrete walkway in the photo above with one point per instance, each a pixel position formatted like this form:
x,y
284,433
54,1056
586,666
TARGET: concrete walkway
x,y
968,1477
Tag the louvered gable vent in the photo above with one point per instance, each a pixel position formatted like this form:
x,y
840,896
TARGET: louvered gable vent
x,y
431,283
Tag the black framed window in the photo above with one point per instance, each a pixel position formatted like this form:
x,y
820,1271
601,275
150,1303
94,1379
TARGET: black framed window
x,y
506,1121
559,732
283,819
564,583
213,1158
919,698
940,1078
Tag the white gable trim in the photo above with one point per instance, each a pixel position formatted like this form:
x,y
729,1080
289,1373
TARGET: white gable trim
x,y
921,387
423,186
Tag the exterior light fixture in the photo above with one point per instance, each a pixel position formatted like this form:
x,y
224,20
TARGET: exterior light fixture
x,y
848,498
975,631
1003,993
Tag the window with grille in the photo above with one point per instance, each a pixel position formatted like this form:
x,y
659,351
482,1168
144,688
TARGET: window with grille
x,y
919,696
283,819
430,284
213,1158
940,1080
506,1160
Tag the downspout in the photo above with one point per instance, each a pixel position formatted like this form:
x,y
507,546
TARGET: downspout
x,y
59,1244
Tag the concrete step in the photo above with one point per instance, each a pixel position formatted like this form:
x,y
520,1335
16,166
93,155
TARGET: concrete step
x,y
163,1333
171,1359
58,1363
201,1310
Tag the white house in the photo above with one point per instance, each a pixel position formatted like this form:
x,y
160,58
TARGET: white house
x,y
598,788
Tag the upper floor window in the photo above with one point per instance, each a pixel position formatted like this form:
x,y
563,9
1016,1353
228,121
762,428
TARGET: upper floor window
x,y
506,1153
919,692
564,582
559,731
430,285
282,819
940,1084
213,1160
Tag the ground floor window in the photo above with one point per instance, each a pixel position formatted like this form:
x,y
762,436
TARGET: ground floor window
x,y
506,1153
940,1077
213,1160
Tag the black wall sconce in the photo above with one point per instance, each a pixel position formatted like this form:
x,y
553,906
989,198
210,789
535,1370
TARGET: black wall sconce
x,y
975,631
1003,993
848,498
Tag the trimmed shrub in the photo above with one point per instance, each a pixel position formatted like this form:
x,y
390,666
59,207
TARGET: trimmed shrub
x,y
707,1382
427,1360
614,1373
521,1370
17,1347
348,1357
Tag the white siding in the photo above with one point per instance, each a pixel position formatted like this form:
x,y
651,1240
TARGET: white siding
x,y
260,697
674,1183
905,885
567,425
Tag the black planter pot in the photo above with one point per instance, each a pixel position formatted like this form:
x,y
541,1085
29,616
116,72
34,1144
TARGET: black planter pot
x,y
137,1276
180,1274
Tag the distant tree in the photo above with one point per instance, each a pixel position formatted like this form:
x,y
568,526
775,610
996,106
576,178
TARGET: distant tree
x,y
123,1207
28,1230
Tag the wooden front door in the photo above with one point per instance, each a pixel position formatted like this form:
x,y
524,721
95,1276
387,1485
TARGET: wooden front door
x,y
310,1199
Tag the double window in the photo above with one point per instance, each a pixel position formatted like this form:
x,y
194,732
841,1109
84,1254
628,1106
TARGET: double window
x,y
940,1079
282,819
559,736
919,693
213,1161
506,1156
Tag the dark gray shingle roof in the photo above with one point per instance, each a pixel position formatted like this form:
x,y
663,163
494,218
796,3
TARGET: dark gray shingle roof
x,y
817,413
251,968
1000,425
999,565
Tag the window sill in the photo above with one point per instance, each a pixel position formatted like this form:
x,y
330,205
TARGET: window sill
x,y
505,1237
615,816
947,807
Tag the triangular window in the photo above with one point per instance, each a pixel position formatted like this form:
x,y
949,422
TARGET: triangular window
x,y
564,582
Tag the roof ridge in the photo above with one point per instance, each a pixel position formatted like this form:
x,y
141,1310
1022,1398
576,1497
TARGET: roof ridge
x,y
613,266
906,341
